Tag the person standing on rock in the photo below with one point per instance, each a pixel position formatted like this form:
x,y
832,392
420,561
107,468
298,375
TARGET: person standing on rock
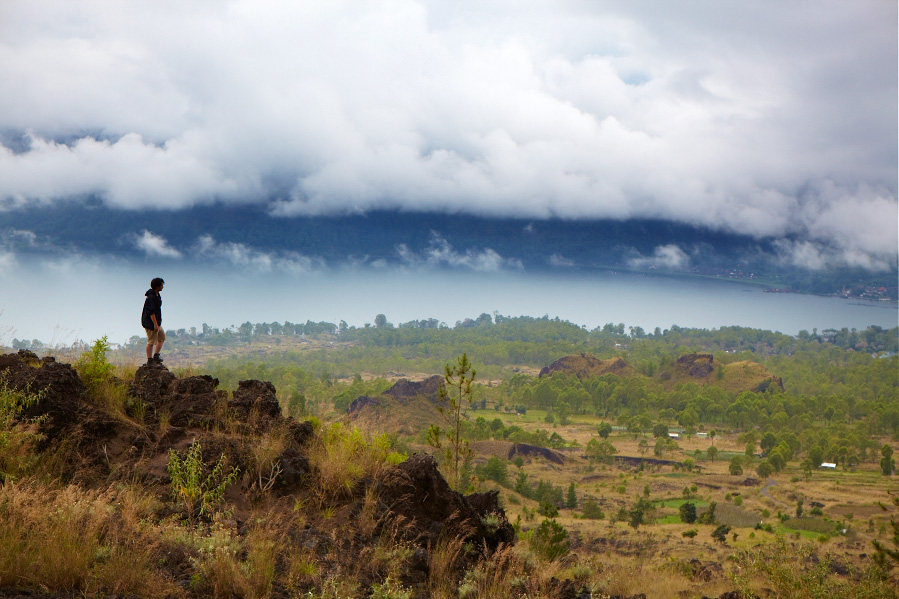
x,y
151,320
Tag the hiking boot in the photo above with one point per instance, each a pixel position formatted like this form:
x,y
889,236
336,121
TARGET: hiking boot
x,y
157,358
151,362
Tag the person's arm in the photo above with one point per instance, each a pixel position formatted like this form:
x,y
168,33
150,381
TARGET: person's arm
x,y
153,315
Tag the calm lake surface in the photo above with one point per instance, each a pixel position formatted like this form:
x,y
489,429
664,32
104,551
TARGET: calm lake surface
x,y
62,302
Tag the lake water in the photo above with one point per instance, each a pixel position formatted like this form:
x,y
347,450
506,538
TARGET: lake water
x,y
59,303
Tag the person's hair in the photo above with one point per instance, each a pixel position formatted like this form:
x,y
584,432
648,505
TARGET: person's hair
x,y
155,283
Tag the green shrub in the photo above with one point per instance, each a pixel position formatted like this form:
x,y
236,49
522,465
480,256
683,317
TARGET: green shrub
x,y
93,367
15,442
687,512
720,533
550,540
495,469
389,589
592,510
198,492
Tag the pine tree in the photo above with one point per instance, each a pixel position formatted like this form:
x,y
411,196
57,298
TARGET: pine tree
x,y
455,396
571,499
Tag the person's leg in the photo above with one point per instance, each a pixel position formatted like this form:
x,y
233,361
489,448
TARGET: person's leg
x,y
160,339
151,339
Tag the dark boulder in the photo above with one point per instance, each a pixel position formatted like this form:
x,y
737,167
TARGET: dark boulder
x,y
151,384
697,365
63,407
404,390
362,402
416,492
255,402
587,365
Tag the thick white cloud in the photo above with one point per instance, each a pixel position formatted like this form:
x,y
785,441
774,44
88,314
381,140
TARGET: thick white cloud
x,y
155,245
764,118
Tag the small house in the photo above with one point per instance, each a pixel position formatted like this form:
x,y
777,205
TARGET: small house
x,y
828,465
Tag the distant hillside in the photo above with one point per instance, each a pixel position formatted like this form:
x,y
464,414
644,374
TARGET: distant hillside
x,y
703,369
699,368
406,408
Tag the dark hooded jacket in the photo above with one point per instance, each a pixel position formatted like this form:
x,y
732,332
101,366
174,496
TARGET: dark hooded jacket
x,y
152,305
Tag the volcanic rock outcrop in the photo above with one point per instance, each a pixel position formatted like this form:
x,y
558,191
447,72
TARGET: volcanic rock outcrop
x,y
587,365
166,413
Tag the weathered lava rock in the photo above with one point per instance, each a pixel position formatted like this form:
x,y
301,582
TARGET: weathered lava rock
x,y
151,384
697,365
62,392
362,402
404,390
417,492
586,365
255,400
524,449
63,405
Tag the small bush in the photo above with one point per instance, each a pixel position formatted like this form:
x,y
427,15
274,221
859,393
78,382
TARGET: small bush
x,y
550,540
687,513
389,589
592,510
720,533
93,367
342,456
265,464
198,493
16,441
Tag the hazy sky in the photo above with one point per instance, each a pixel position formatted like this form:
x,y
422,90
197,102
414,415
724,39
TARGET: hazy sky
x,y
771,118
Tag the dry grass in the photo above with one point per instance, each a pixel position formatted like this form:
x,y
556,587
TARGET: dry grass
x,y
68,539
444,568
232,565
798,572
340,457
264,463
